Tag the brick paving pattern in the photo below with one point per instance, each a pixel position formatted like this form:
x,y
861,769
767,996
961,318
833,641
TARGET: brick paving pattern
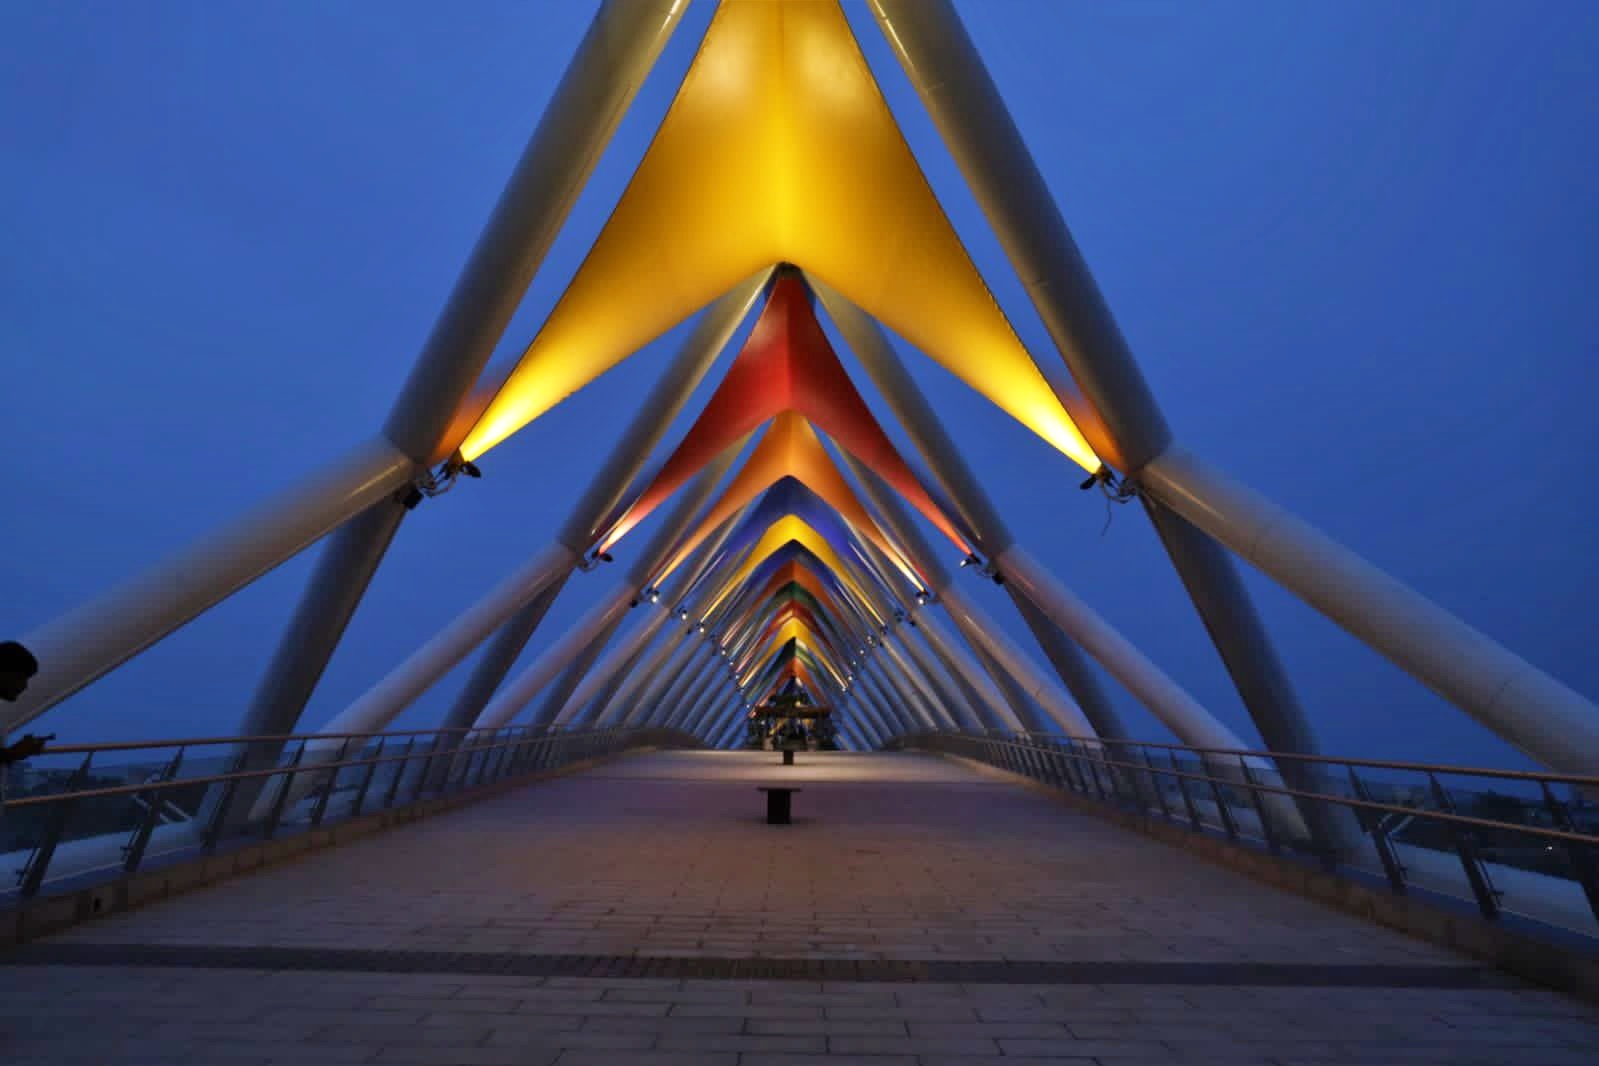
x,y
891,857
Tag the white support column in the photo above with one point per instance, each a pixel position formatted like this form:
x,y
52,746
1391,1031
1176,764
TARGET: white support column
x,y
83,645
880,710
973,623
895,709
964,714
1527,707
1151,686
620,47
959,661
633,704
611,669
697,696
615,711
378,706
969,500
665,400
528,684
892,666
665,704
1116,410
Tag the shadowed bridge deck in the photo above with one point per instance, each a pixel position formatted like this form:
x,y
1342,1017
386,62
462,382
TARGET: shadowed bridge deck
x,y
1036,933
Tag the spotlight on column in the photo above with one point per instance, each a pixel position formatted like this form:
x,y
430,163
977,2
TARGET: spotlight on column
x,y
921,597
470,469
682,612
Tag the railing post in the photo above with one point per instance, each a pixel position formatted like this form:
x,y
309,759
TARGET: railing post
x,y
270,830
366,779
1466,848
1581,860
133,852
1260,808
1371,822
327,789
427,767
1194,822
32,875
219,816
483,763
399,773
1222,810
1156,785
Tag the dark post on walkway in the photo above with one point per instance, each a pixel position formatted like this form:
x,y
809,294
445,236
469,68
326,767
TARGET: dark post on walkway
x,y
779,803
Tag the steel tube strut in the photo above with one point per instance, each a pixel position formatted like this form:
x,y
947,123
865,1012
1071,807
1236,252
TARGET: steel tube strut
x,y
500,655
1544,718
973,623
611,62
971,504
665,400
1121,419
83,645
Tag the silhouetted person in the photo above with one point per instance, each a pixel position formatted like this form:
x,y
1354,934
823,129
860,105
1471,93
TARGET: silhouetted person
x,y
17,667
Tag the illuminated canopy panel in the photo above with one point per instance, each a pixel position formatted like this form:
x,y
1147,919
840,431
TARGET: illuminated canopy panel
x,y
778,148
788,449
787,365
780,533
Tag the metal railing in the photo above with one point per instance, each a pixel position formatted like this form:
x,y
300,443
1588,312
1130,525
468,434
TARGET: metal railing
x,y
1503,840
74,816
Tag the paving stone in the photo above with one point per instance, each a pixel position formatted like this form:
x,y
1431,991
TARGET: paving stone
x,y
900,858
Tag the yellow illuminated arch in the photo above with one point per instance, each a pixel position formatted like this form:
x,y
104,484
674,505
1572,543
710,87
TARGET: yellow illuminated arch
x,y
778,148
785,529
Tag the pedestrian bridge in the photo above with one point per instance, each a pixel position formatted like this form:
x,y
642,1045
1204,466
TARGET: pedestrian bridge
x,y
986,862
636,908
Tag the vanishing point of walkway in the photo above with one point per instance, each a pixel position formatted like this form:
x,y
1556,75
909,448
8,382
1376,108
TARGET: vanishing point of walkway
x,y
1040,935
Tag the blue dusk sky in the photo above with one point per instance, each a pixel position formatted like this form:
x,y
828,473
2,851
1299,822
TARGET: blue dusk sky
x,y
1352,244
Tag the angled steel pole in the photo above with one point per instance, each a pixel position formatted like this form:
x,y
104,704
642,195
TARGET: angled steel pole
x,y
1121,418
667,642
1521,703
891,668
670,703
608,676
500,654
900,709
1032,716
970,502
614,702
951,699
873,719
628,706
84,644
695,698
919,699
1072,666
666,399
652,697
971,620
603,616
684,700
958,658
616,53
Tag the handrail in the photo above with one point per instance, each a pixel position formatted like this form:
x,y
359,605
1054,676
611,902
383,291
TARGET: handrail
x,y
1096,769
1374,764
1333,797
271,771
194,742
451,761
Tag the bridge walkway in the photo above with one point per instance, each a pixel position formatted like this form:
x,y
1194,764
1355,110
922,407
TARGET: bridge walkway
x,y
640,912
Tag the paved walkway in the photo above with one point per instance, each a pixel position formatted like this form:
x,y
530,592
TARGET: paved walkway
x,y
1134,952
